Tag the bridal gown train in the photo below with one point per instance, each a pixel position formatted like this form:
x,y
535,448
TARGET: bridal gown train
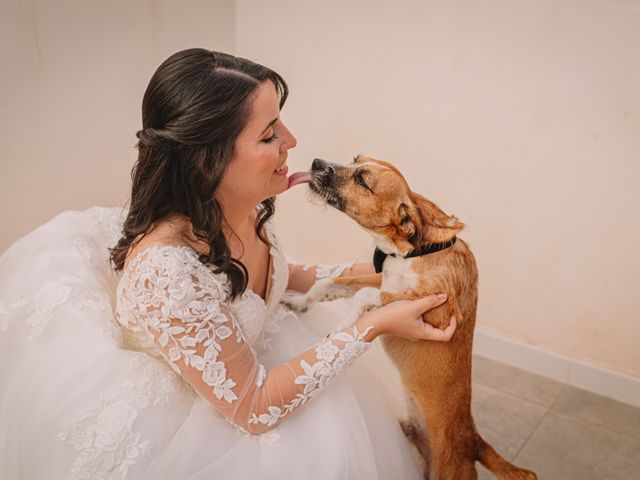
x,y
92,364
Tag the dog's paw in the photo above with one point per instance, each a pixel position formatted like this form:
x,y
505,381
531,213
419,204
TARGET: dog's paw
x,y
296,301
409,429
323,290
367,298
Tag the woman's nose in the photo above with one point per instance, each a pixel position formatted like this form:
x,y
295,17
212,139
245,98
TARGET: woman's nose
x,y
290,139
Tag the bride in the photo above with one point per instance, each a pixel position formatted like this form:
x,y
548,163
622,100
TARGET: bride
x,y
151,344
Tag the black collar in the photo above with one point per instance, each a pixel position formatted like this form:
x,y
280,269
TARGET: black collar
x,y
379,256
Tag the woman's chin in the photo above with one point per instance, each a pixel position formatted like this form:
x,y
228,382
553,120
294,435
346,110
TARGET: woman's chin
x,y
280,190
278,185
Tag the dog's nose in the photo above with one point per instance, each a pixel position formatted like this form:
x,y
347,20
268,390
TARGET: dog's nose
x,y
322,167
318,165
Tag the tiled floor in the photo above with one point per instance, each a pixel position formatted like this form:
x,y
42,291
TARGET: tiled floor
x,y
556,430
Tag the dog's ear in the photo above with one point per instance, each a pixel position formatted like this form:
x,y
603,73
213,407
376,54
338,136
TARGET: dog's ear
x,y
437,226
405,223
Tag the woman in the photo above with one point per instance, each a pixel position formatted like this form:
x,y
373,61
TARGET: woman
x,y
200,276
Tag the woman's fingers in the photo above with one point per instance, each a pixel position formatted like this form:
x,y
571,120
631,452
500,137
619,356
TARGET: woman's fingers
x,y
404,318
431,301
432,333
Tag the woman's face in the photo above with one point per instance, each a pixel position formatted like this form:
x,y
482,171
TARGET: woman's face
x,y
258,168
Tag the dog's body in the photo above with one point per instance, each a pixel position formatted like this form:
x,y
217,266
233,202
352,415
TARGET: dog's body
x,y
436,375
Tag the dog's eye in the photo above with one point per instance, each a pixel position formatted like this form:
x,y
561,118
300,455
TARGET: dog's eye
x,y
359,178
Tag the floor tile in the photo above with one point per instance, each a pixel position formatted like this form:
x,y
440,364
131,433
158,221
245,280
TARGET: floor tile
x,y
483,473
505,378
503,420
599,410
565,447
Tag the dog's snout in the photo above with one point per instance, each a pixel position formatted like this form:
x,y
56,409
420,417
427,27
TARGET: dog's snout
x,y
318,165
325,169
325,181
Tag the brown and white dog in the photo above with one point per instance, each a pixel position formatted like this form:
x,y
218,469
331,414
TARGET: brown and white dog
x,y
417,251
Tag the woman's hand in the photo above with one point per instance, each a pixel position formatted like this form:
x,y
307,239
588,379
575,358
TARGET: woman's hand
x,y
403,318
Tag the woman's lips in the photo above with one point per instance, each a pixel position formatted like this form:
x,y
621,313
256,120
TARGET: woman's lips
x,y
282,171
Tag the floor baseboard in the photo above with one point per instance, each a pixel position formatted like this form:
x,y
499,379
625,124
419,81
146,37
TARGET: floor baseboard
x,y
580,374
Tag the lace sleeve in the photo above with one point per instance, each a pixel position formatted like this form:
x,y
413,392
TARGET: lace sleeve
x,y
328,270
182,307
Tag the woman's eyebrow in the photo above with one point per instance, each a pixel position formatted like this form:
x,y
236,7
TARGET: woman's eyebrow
x,y
270,125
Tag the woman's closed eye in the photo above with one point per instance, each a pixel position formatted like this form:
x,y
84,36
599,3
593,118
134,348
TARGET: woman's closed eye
x,y
270,139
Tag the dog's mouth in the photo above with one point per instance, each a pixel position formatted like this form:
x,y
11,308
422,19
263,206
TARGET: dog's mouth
x,y
298,178
322,188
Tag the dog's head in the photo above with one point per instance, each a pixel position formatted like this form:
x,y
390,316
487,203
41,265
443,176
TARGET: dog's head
x,y
375,194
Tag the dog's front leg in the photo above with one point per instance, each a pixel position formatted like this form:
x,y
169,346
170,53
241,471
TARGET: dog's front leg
x,y
364,300
330,289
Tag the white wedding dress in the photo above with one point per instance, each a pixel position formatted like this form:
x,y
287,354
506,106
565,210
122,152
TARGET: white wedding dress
x,y
94,367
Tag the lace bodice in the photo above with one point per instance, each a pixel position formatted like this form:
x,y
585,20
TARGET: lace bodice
x,y
171,305
250,310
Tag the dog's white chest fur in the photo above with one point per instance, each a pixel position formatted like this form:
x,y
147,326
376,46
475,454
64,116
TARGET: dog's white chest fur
x,y
397,275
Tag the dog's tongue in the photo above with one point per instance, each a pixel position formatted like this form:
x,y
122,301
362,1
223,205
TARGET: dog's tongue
x,y
299,177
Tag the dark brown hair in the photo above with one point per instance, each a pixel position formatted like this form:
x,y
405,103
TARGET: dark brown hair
x,y
196,104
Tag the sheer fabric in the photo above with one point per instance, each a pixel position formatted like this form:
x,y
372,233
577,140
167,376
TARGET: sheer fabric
x,y
87,393
182,306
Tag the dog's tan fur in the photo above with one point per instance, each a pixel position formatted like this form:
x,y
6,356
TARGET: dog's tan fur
x,y
437,375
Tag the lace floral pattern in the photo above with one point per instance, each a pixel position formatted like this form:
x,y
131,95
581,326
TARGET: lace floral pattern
x,y
328,270
156,298
271,328
331,360
183,307
53,293
129,408
104,436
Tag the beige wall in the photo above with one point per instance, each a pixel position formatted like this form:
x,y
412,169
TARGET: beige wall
x,y
73,76
521,118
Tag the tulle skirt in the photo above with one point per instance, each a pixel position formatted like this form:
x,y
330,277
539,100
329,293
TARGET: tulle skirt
x,y
75,404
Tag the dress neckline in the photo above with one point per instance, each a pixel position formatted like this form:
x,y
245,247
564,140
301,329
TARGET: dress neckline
x,y
271,268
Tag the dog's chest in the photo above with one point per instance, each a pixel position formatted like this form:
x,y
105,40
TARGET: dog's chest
x,y
397,275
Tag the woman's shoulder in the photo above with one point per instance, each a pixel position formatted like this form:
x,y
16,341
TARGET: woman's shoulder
x,y
168,238
167,276
160,255
164,256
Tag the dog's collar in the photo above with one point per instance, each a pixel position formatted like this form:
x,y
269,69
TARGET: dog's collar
x,y
379,256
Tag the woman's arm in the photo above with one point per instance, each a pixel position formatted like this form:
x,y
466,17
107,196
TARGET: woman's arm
x,y
302,277
184,310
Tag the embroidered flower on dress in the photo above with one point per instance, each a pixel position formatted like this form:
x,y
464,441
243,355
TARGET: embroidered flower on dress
x,y
271,417
104,436
182,305
113,424
214,373
224,391
326,351
262,374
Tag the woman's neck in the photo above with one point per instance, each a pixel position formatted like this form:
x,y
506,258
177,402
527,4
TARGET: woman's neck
x,y
238,227
238,217
239,224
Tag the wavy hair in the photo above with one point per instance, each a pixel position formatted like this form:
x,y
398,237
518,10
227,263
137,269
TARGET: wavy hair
x,y
195,106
